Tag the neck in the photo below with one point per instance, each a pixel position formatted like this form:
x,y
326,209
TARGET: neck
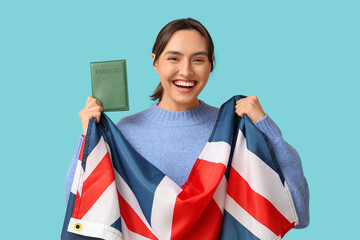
x,y
173,106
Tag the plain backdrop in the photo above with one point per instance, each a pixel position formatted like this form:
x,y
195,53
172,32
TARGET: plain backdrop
x,y
301,58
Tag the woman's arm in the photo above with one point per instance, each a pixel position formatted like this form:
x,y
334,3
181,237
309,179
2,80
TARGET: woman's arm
x,y
290,165
286,155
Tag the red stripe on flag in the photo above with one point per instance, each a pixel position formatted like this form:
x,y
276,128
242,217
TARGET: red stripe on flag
x,y
132,220
76,206
96,184
209,224
288,229
197,194
82,149
256,205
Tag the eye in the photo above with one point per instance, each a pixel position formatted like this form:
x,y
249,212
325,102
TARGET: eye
x,y
173,58
199,60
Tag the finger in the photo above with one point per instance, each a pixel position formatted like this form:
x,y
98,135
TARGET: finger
x,y
98,117
240,113
248,103
94,109
242,102
254,98
254,101
89,99
97,102
242,106
93,102
92,115
246,98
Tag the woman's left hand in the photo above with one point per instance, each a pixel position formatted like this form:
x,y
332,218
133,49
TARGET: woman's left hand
x,y
251,107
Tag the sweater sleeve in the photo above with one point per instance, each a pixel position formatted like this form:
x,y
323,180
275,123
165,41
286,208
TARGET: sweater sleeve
x,y
290,164
71,171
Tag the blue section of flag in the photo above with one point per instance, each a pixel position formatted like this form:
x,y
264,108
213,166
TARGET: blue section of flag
x,y
117,224
139,174
227,120
232,229
255,142
92,139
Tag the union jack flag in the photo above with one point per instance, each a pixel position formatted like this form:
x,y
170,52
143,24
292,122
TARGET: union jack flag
x,y
234,191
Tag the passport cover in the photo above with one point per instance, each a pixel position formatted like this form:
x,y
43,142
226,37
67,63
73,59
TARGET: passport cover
x,y
109,84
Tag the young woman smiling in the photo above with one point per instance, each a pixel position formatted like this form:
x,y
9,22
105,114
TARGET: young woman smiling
x,y
173,131
184,69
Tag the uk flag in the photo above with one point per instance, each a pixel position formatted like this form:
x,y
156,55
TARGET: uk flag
x,y
234,191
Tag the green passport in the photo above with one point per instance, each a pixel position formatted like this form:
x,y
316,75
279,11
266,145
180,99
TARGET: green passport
x,y
109,84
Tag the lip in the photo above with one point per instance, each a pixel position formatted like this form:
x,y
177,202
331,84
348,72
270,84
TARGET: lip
x,y
184,90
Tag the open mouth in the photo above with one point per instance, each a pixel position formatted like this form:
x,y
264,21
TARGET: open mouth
x,y
184,86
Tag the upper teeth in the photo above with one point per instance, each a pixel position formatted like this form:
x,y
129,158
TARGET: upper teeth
x,y
185,84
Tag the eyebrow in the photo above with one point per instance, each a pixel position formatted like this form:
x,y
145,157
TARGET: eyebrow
x,y
194,54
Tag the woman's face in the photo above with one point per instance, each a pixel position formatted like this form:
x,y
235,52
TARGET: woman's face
x,y
184,70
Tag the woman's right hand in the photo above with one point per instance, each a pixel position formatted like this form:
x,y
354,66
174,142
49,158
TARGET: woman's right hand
x,y
91,110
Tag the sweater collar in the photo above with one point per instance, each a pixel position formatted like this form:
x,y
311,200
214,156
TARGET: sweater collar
x,y
190,117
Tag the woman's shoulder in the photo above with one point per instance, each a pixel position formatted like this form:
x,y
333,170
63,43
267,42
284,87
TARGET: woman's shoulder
x,y
209,107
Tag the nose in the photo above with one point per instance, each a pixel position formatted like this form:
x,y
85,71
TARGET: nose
x,y
186,69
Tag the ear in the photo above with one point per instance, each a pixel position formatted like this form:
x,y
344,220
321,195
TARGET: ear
x,y
155,64
213,58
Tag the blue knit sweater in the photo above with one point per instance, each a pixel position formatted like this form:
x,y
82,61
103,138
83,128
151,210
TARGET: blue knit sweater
x,y
172,141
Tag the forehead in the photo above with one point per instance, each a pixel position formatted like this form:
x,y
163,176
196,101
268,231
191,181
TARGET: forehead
x,y
186,41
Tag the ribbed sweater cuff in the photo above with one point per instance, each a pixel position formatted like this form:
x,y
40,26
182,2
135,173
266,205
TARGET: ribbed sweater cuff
x,y
269,128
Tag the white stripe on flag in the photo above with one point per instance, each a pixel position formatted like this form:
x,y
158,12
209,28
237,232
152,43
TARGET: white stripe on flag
x,y
216,152
78,171
106,209
92,229
220,193
248,221
95,157
163,207
252,169
128,234
130,198
292,204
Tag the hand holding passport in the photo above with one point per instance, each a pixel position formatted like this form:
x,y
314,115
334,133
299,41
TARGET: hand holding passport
x,y
109,84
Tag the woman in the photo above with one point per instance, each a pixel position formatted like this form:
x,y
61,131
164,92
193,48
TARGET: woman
x,y
178,126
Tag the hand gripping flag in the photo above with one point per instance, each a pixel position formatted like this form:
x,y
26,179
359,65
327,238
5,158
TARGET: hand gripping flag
x,y
234,191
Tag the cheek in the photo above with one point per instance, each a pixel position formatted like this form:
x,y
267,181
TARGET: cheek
x,y
166,71
205,73
165,78
204,70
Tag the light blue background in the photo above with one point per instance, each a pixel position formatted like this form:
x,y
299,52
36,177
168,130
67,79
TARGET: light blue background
x,y
301,58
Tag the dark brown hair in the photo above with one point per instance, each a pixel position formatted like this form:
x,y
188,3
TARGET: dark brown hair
x,y
164,36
